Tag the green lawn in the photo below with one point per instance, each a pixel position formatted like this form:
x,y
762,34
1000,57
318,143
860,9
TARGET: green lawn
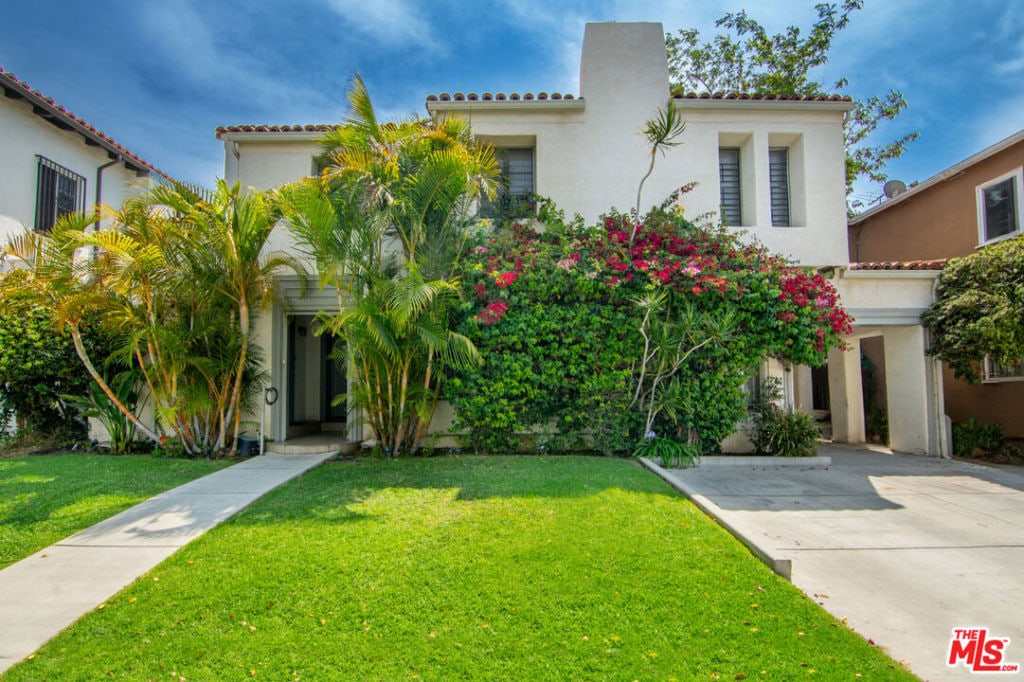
x,y
45,498
559,568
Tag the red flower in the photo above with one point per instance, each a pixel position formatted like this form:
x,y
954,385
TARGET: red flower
x,y
493,313
506,278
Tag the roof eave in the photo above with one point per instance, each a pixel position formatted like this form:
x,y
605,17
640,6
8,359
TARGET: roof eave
x,y
264,135
938,178
776,104
48,111
575,104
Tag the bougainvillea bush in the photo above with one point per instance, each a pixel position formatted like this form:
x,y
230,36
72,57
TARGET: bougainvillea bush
x,y
601,336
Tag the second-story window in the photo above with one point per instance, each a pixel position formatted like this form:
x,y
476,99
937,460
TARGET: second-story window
x,y
729,182
999,208
778,181
59,192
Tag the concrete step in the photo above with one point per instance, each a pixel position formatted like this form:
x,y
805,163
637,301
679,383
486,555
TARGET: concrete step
x,y
316,443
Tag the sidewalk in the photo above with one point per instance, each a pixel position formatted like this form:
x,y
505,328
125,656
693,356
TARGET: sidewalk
x,y
903,548
46,592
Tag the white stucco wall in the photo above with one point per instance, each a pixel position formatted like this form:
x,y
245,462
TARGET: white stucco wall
x,y
23,136
590,154
265,161
885,297
590,157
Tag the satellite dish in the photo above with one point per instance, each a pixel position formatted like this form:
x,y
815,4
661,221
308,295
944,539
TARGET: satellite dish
x,y
894,188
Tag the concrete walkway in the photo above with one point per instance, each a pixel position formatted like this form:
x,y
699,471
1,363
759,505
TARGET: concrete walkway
x,y
903,548
46,592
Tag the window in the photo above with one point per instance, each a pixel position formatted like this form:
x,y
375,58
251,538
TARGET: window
x,y
778,181
517,169
729,182
59,192
516,165
999,208
998,371
752,388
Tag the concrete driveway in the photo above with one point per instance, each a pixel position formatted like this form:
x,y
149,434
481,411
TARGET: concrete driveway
x,y
903,548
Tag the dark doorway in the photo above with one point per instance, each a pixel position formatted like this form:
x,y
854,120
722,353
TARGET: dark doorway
x,y
333,360
314,378
819,388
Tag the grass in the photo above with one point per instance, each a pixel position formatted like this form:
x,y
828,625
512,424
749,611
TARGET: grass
x,y
45,498
559,568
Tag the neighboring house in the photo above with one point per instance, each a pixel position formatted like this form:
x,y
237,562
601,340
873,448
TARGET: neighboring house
x,y
976,202
774,164
53,163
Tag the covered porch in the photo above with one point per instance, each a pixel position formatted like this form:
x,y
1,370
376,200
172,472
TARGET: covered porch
x,y
887,305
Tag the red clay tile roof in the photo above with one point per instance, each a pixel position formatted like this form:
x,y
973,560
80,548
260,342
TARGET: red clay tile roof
x,y
500,97
48,109
936,264
762,97
309,128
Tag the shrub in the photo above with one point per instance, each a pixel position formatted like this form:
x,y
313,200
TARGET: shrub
x,y
877,425
777,432
794,435
611,331
96,404
764,414
38,369
668,452
973,435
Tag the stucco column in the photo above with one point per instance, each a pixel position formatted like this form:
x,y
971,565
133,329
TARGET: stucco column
x,y
803,389
906,382
845,394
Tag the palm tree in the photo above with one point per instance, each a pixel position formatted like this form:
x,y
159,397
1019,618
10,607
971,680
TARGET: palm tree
x,y
57,277
180,279
386,223
229,233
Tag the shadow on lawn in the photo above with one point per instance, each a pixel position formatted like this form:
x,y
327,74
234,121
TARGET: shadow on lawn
x,y
338,491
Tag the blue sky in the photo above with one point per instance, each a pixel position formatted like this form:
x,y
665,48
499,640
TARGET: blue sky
x,y
160,75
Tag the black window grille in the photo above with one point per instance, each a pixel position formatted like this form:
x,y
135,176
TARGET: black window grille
x,y
729,180
778,181
517,183
59,192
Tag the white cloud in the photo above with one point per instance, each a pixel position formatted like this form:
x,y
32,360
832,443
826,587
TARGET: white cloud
x,y
392,23
203,59
999,122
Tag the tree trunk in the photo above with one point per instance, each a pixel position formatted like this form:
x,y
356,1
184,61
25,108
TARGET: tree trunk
x,y
76,337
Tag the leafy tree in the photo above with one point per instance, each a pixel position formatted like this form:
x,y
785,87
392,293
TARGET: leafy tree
x,y
979,309
747,59
39,369
386,223
179,278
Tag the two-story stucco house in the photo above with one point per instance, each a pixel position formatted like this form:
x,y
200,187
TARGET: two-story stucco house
x,y
770,166
974,203
53,162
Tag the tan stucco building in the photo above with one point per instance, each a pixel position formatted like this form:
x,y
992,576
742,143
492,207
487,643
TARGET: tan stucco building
x,y
976,202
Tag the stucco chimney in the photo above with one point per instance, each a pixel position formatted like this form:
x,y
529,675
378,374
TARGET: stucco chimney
x,y
625,63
